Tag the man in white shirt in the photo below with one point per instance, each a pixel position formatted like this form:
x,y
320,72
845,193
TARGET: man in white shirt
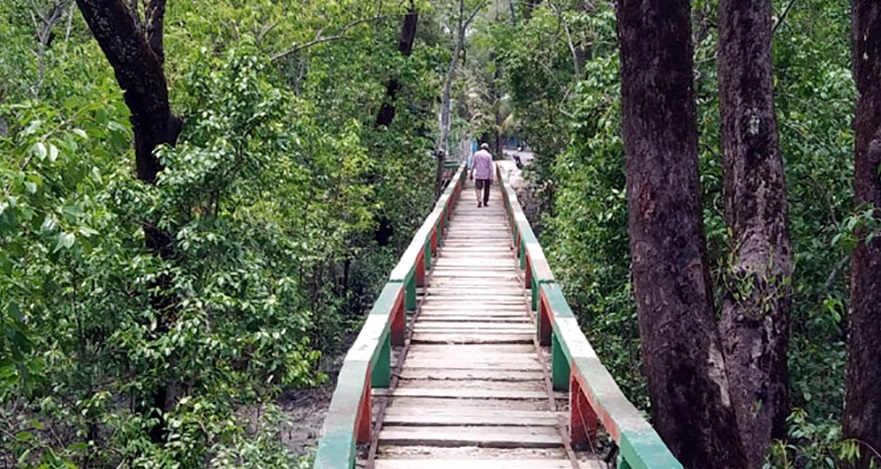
x,y
482,172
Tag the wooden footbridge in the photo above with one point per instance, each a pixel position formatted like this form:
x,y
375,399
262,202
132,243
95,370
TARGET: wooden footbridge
x,y
471,359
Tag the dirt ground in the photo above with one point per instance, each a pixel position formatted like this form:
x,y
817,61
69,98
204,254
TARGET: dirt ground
x,y
305,409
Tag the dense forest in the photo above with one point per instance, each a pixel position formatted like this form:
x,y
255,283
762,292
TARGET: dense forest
x,y
201,199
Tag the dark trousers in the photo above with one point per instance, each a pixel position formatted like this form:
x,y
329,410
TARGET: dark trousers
x,y
483,184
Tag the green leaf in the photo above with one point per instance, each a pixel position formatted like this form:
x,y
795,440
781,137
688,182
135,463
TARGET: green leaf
x,y
39,150
65,240
53,153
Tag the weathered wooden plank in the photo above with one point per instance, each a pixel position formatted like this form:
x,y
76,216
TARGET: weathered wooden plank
x,y
470,326
440,363
445,318
452,374
463,393
456,338
498,437
416,417
496,463
485,332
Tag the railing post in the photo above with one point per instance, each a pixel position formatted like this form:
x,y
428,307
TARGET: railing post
x,y
427,255
560,369
583,419
410,294
421,264
544,321
399,321
381,374
364,424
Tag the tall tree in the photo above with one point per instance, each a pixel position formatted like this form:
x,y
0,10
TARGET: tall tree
x,y
386,113
682,355
134,49
462,23
755,308
862,403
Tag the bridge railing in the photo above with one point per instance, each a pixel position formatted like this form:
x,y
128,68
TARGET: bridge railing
x,y
593,394
368,363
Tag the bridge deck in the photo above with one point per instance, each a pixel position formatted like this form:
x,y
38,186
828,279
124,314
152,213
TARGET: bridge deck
x,y
473,389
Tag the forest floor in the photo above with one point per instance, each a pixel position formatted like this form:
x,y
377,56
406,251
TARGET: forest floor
x,y
306,408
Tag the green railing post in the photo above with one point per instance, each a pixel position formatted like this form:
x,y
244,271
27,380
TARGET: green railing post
x,y
410,294
560,368
428,254
381,374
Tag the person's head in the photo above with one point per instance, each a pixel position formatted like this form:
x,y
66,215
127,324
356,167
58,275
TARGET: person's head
x,y
484,146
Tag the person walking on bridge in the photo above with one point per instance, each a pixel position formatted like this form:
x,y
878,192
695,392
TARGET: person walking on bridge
x,y
482,173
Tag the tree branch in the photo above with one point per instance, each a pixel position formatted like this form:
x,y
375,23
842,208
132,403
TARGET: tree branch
x,y
782,16
322,39
475,12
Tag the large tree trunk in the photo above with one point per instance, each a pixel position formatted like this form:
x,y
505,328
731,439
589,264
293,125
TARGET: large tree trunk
x,y
684,365
405,46
135,51
136,54
862,402
755,308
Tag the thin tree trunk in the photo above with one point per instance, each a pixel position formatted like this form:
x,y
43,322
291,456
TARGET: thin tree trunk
x,y
862,402
135,51
684,365
443,145
755,308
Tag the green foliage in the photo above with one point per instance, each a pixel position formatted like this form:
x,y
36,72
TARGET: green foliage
x,y
579,181
272,198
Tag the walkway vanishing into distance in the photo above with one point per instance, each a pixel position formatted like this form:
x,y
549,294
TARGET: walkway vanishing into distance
x,y
472,359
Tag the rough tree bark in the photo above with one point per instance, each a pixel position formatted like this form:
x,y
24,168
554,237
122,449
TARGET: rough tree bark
x,y
682,355
136,54
405,46
862,401
755,308
135,51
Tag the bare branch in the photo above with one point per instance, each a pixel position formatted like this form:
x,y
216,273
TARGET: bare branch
x,y
322,39
782,16
475,12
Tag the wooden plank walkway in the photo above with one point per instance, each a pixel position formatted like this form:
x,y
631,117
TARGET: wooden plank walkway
x,y
473,390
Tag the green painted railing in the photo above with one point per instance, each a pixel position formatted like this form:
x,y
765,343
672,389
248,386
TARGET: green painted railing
x,y
368,363
594,397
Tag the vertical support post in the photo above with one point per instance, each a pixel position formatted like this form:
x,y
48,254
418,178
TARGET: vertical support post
x,y
399,321
363,423
535,287
545,328
583,419
411,292
434,240
522,251
427,255
381,375
560,371
420,266
439,229
527,273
